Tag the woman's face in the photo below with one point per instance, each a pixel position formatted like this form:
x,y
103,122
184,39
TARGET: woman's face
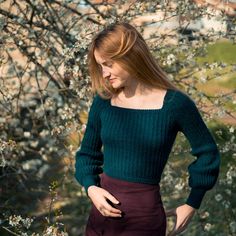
x,y
113,72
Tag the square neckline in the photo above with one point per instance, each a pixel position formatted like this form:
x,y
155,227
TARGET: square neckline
x,y
168,90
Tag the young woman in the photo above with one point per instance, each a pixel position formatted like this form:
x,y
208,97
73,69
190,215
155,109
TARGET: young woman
x,y
133,121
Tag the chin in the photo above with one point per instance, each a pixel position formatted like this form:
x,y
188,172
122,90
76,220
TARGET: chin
x,y
115,84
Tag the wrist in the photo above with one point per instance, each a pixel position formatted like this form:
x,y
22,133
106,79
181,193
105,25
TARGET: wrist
x,y
89,188
190,207
195,197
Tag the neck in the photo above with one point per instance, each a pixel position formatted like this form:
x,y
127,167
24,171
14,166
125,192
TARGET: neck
x,y
137,90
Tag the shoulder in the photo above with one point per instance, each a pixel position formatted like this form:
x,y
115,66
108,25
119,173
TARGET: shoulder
x,y
183,106
98,102
182,100
97,99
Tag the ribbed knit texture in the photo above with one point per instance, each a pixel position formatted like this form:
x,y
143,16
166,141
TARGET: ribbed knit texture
x,y
134,144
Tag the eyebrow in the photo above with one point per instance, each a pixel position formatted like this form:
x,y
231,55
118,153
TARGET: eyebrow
x,y
104,62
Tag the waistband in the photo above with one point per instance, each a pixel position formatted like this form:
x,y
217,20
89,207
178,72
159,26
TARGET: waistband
x,y
124,185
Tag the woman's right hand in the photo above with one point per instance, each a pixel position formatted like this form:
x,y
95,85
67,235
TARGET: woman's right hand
x,y
99,198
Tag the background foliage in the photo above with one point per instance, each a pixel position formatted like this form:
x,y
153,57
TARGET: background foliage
x,y
45,96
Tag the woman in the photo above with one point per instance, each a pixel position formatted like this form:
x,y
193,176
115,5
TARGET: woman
x,y
135,116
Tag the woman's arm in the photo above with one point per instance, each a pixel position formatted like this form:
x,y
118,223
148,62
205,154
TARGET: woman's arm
x,y
89,156
204,170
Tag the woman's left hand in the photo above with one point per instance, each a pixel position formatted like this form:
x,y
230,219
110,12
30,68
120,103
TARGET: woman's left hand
x,y
183,214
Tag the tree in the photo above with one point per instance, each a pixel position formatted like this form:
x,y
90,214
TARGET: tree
x,y
45,93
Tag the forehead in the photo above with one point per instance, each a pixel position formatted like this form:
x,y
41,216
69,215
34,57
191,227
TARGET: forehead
x,y
99,58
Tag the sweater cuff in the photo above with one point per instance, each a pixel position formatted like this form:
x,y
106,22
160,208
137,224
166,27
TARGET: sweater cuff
x,y
195,197
90,180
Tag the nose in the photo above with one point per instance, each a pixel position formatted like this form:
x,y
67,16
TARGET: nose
x,y
105,73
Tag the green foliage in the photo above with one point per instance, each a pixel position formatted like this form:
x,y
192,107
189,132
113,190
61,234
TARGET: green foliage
x,y
220,51
45,95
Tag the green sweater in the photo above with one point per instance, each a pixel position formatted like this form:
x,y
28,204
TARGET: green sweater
x,y
134,144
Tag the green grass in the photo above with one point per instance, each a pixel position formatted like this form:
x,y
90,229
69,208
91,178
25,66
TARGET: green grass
x,y
230,83
221,51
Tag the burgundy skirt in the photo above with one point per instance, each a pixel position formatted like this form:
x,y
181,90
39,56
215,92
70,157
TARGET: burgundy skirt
x,y
142,210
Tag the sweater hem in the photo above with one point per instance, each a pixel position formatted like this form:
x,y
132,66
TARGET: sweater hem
x,y
133,179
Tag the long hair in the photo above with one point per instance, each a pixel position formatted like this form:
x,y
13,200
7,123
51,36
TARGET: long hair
x,y
122,43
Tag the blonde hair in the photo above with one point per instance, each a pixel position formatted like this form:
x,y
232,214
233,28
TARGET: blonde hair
x,y
122,43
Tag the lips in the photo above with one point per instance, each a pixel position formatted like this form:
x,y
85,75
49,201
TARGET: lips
x,y
112,80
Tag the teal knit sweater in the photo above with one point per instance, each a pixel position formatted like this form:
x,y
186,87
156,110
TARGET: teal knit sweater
x,y
134,144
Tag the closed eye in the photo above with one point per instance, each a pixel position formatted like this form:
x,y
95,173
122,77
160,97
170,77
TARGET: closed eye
x,y
108,64
105,63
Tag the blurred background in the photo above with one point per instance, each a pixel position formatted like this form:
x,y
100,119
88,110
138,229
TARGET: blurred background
x,y
45,95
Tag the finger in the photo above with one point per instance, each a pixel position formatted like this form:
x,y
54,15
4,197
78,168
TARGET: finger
x,y
171,212
107,213
106,210
111,198
183,226
180,226
111,214
177,231
180,230
111,209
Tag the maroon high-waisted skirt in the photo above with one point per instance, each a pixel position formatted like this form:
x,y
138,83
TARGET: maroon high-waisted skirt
x,y
142,210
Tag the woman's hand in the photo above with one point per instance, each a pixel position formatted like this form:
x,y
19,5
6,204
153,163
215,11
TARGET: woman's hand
x,y
99,197
183,214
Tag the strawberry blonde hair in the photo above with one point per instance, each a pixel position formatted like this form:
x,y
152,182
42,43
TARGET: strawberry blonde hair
x,y
122,43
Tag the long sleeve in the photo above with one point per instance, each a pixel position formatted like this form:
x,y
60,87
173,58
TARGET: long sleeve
x,y
204,170
89,156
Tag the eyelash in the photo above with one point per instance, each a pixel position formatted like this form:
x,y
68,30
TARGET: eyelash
x,y
108,65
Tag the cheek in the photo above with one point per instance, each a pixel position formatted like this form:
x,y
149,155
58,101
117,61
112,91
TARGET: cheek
x,y
126,75
115,72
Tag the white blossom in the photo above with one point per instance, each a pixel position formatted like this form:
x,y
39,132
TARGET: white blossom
x,y
49,231
31,164
64,234
26,134
228,191
213,65
44,133
170,59
180,185
207,227
226,204
231,130
15,220
218,197
203,79
204,215
232,226
27,222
